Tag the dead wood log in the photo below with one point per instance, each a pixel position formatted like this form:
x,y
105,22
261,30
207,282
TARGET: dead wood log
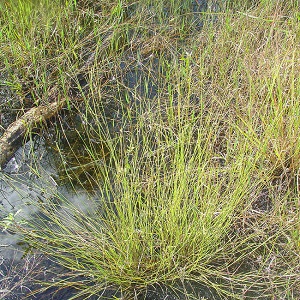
x,y
14,136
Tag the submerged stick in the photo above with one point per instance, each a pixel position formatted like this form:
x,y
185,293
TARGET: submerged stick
x,y
15,134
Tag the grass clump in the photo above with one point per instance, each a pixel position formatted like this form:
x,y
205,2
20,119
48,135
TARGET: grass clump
x,y
164,215
186,141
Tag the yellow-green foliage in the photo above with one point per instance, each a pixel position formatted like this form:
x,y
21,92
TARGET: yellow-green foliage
x,y
192,181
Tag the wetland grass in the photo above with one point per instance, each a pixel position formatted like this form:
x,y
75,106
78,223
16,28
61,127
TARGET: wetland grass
x,y
186,140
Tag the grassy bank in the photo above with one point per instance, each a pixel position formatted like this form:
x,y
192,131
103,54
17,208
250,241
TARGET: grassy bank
x,y
183,127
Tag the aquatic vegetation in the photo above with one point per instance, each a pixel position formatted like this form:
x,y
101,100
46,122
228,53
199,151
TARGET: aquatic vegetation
x,y
182,127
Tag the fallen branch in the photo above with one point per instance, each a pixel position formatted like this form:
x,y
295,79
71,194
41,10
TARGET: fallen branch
x,y
14,136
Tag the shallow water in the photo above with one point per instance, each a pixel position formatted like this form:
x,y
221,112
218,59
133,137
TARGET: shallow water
x,y
21,188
